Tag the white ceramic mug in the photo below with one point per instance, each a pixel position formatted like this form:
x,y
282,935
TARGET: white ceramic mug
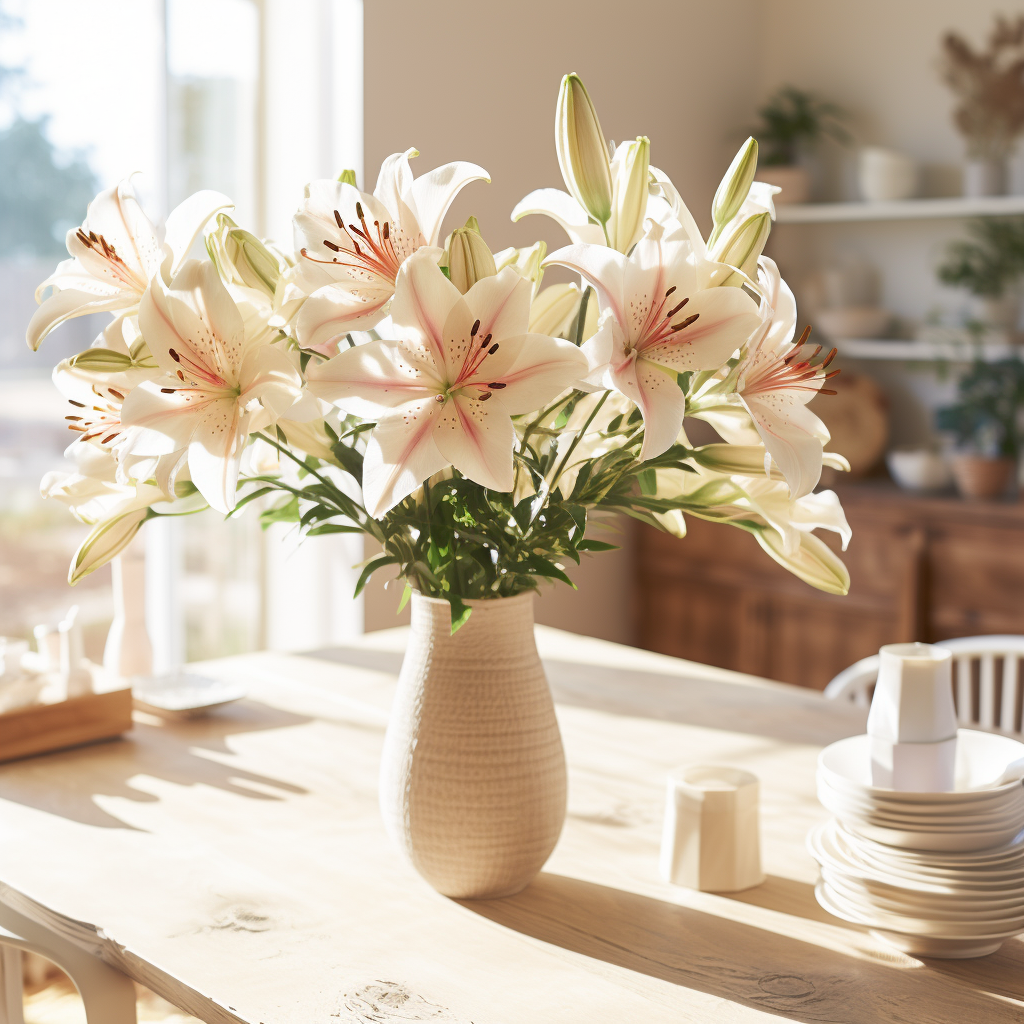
x,y
712,834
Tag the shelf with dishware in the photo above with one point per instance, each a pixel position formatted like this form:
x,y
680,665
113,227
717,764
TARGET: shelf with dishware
x,y
900,209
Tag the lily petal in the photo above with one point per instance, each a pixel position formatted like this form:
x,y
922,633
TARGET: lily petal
x,y
603,267
423,299
400,455
434,192
660,400
215,452
477,439
331,312
187,220
564,210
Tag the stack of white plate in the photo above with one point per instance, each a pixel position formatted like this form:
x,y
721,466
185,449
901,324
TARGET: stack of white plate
x,y
935,874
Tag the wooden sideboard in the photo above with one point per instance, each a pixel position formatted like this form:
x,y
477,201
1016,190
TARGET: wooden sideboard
x,y
920,568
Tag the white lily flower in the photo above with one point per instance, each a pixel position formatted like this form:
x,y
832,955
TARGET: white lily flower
x,y
774,383
115,253
445,383
657,321
219,385
351,244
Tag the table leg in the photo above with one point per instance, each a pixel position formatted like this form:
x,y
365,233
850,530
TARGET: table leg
x,y
108,995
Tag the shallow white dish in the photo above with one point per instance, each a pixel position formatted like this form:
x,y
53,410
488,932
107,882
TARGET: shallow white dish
x,y
183,694
939,840
981,759
1003,877
918,470
917,945
1004,857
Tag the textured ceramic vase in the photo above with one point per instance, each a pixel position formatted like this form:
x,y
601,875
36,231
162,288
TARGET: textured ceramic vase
x,y
473,782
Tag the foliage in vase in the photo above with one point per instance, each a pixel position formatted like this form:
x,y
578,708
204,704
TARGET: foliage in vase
x,y
988,417
989,86
435,395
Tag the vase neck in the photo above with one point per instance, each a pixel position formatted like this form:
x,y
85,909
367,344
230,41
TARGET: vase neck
x,y
432,616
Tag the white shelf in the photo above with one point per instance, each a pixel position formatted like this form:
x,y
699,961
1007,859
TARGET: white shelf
x,y
906,209
924,351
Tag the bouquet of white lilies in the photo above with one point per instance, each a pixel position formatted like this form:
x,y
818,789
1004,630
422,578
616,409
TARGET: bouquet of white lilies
x,y
438,398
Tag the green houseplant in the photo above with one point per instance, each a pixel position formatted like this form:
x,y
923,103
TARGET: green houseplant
x,y
986,422
791,122
989,265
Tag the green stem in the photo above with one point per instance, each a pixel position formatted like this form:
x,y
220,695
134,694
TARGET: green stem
x,y
576,440
581,320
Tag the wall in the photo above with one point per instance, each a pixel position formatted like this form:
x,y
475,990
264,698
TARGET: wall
x,y
477,81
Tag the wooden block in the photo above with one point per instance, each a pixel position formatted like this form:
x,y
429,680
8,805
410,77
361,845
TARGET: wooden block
x,y
69,723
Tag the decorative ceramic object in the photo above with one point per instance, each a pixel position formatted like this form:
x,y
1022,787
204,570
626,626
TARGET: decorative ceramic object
x,y
985,178
473,782
885,175
794,181
853,322
127,652
712,834
919,470
912,722
979,476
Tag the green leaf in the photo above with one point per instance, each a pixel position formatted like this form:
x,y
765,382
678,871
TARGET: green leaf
x,y
332,528
460,612
596,545
370,568
286,513
406,594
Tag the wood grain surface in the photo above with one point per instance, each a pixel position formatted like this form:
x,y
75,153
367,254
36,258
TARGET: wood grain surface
x,y
238,867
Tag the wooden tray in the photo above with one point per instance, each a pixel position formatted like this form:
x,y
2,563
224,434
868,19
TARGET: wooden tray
x,y
68,723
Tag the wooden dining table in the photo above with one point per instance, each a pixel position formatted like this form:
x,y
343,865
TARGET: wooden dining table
x,y
237,865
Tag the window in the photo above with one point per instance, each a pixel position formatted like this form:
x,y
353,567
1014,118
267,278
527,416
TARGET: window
x,y
191,94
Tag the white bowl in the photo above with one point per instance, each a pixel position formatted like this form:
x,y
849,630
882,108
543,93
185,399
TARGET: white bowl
x,y
920,470
853,322
981,759
927,904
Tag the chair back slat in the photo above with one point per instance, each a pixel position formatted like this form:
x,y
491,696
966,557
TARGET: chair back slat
x,y
987,691
964,709
1008,710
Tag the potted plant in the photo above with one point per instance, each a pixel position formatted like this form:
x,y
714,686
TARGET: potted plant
x,y
989,265
986,422
429,393
989,86
791,122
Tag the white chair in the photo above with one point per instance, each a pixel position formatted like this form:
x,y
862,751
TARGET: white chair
x,y
856,683
108,995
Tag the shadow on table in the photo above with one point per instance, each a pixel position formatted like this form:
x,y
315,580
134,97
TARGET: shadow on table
x,y
790,715
743,963
65,783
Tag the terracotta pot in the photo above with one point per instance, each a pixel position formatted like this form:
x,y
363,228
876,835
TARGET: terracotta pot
x,y
794,181
977,476
473,782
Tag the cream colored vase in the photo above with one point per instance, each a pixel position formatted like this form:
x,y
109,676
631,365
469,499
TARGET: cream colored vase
x,y
472,784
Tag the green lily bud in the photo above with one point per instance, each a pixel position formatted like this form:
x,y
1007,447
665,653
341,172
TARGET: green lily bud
x,y
735,186
467,257
742,246
241,258
582,150
348,177
527,261
629,206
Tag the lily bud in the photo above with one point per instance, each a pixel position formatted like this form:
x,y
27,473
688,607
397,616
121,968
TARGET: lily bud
x,y
527,261
467,257
629,205
732,192
743,244
241,258
554,310
348,177
582,150
813,561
